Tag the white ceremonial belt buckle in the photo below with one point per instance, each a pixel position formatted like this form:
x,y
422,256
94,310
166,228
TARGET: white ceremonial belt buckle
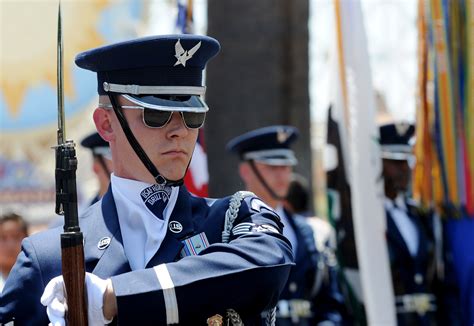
x,y
294,309
419,303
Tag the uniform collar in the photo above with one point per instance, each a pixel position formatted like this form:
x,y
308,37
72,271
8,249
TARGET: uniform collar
x,y
143,213
398,202
397,239
112,259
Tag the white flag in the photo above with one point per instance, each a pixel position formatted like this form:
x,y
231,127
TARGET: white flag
x,y
354,111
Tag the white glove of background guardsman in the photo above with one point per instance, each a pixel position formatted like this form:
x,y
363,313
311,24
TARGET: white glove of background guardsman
x,y
54,301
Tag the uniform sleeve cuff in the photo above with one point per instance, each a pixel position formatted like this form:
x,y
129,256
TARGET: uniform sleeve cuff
x,y
169,294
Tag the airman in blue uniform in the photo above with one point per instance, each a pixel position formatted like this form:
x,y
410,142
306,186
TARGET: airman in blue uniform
x,y
154,254
423,296
311,296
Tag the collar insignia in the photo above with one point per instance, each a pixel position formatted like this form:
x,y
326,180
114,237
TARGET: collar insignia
x,y
175,227
103,243
183,55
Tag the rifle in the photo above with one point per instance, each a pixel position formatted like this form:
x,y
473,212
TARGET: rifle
x,y
72,246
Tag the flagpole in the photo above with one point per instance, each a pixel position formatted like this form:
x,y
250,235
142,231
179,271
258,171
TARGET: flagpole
x,y
364,164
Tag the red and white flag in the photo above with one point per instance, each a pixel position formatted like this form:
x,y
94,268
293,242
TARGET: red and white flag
x,y
197,177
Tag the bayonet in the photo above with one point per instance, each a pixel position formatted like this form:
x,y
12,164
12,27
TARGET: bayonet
x,y
61,125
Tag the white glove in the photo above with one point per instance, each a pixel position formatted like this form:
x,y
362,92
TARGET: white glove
x,y
55,303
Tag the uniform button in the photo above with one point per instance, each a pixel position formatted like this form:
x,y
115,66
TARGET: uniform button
x,y
418,278
293,287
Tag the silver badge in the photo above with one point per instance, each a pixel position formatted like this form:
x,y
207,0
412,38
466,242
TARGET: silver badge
x,y
103,243
257,204
175,227
402,127
182,55
282,136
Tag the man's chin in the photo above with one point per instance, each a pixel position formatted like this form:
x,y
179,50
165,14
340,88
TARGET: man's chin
x,y
174,177
281,194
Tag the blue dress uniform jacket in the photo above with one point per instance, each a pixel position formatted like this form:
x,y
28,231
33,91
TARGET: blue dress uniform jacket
x,y
418,275
247,274
313,280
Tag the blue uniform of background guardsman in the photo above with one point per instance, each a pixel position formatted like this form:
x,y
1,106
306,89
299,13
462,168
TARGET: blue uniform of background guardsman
x,y
425,292
311,295
166,256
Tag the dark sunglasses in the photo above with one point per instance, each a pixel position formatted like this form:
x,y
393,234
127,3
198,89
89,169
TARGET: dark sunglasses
x,y
158,118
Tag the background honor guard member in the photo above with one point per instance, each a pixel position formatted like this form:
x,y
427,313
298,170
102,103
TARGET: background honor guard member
x,y
311,295
423,295
13,229
101,164
154,254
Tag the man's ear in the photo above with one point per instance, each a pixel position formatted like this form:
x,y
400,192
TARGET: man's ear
x,y
244,172
103,124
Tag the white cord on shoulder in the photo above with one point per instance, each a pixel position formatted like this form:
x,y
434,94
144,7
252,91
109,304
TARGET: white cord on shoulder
x,y
230,217
232,212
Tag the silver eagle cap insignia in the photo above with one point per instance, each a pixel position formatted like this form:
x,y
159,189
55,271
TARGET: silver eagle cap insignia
x,y
183,55
282,135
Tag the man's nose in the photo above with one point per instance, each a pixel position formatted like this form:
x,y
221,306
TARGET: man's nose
x,y
176,125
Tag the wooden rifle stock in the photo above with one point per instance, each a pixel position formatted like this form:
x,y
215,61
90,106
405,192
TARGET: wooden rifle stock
x,y
72,264
72,257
